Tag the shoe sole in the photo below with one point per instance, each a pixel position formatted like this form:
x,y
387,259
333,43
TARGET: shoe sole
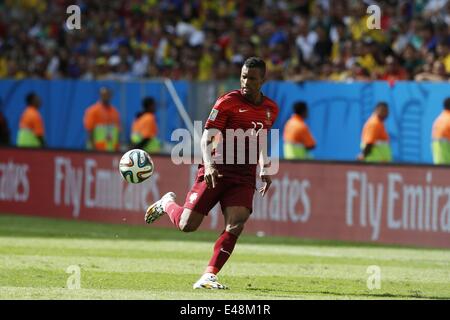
x,y
211,287
152,215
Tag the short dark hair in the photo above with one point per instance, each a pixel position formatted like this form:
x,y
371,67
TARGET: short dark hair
x,y
382,104
29,98
148,102
255,62
300,108
447,103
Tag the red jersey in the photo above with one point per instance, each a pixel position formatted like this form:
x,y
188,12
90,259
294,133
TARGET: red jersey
x,y
235,117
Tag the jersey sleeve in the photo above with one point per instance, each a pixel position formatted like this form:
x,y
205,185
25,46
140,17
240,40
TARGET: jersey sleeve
x,y
219,115
38,125
89,119
275,111
370,135
306,138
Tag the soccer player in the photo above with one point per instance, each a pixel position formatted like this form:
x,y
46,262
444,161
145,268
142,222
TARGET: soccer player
x,y
231,184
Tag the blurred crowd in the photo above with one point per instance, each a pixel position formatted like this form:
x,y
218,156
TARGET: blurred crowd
x,y
209,39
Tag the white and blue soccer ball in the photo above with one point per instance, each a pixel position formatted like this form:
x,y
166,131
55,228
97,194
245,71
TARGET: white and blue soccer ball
x,y
136,166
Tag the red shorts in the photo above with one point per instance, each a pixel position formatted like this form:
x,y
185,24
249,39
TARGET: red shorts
x,y
228,193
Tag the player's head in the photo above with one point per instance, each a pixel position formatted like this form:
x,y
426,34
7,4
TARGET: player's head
x,y
148,104
447,104
301,109
382,110
32,99
105,95
253,73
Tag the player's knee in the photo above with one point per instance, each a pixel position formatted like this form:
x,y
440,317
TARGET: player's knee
x,y
189,222
235,223
187,227
235,228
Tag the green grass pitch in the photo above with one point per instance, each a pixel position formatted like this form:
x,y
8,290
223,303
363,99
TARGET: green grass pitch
x,y
144,262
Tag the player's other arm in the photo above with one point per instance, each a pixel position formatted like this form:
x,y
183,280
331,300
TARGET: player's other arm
x,y
211,172
264,164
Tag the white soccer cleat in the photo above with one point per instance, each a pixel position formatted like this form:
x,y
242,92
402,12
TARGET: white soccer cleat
x,y
208,281
156,210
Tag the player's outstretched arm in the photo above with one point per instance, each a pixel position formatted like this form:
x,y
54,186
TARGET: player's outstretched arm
x,y
267,182
211,172
264,164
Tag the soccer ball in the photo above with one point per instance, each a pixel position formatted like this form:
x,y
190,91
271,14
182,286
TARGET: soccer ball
x,y
136,166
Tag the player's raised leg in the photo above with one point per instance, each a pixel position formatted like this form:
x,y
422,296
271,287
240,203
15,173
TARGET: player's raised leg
x,y
184,219
235,218
157,209
199,201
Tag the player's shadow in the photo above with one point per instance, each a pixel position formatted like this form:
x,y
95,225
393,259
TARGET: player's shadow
x,y
26,226
413,295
